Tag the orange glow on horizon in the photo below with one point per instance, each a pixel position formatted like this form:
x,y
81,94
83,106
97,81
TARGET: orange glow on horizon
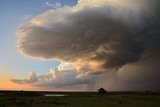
x,y
7,84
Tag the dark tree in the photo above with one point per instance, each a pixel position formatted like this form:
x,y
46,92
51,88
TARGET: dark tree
x,y
102,91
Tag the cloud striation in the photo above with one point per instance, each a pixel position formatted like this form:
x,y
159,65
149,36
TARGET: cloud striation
x,y
97,36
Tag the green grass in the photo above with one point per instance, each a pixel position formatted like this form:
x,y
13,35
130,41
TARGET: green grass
x,y
79,99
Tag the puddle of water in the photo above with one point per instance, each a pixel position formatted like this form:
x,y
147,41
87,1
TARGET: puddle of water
x,y
56,95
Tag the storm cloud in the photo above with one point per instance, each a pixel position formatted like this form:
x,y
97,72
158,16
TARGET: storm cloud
x,y
96,35
91,33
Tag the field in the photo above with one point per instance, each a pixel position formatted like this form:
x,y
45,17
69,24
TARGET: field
x,y
79,99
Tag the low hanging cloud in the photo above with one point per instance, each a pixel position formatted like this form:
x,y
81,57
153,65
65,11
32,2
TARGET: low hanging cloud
x,y
62,76
97,36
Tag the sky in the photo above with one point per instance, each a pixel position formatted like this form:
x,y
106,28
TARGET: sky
x,y
12,64
79,45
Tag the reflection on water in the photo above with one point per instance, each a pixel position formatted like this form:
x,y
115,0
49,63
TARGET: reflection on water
x,y
56,95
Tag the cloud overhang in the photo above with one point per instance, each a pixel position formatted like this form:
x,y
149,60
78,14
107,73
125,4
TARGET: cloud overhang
x,y
97,36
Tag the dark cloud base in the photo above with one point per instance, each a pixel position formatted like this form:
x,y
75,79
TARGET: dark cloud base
x,y
117,36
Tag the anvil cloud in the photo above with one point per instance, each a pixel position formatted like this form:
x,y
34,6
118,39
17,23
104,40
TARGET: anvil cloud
x,y
96,35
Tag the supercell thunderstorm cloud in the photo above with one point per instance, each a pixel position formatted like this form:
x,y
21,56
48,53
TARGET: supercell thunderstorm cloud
x,y
109,43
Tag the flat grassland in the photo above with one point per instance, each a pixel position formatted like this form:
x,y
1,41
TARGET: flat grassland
x,y
79,99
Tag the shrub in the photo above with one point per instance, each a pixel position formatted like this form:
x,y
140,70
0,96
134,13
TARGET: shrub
x,y
102,91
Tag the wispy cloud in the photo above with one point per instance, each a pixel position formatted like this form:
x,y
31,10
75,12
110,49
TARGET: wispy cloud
x,y
54,4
